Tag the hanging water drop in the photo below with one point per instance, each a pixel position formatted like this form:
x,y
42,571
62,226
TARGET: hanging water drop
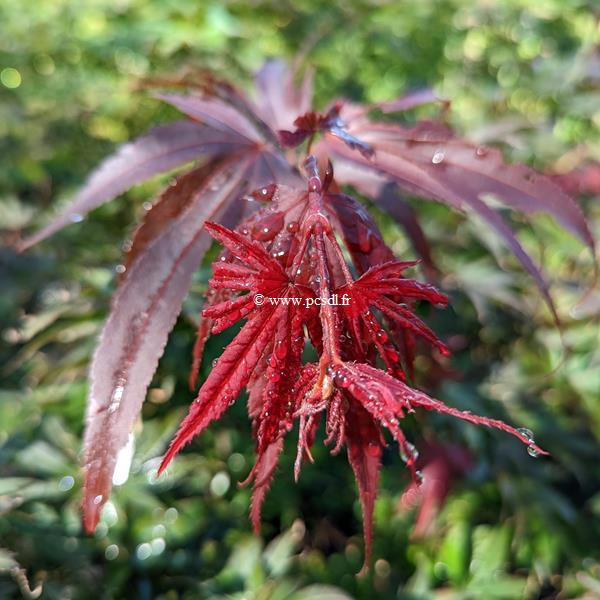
x,y
437,157
526,433
409,453
76,218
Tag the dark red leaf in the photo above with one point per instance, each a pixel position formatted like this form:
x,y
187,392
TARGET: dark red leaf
x,y
171,203
225,381
144,310
364,454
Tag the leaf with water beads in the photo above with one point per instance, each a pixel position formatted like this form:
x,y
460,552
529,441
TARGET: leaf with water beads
x,y
144,310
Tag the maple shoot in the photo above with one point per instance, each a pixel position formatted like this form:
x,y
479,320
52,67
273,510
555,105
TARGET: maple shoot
x,y
357,387
263,187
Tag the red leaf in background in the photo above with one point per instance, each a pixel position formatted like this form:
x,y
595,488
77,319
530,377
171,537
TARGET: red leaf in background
x,y
428,161
411,100
364,455
216,113
391,201
278,100
584,179
440,464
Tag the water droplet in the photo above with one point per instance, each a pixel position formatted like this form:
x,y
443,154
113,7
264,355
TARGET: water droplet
x,y
314,184
481,151
267,227
292,227
382,336
280,350
147,206
532,451
409,453
265,193
120,269
438,157
214,362
526,433
76,218
98,499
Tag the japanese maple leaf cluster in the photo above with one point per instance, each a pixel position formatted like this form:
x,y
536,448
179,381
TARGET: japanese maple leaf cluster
x,y
289,250
250,151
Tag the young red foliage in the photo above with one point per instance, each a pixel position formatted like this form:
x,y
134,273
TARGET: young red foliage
x,y
347,384
292,247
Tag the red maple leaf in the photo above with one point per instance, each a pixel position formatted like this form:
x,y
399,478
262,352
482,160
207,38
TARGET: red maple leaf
x,y
357,397
293,246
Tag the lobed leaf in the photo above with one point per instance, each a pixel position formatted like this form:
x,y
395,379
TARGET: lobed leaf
x,y
215,113
162,149
144,310
225,381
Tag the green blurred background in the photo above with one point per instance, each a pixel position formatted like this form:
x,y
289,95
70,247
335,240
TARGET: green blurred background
x,y
522,74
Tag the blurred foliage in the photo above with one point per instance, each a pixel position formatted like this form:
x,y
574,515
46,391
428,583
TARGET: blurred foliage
x,y
520,73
